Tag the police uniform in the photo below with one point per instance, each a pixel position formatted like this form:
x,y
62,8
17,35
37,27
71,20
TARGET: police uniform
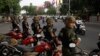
x,y
49,38
34,28
25,28
67,36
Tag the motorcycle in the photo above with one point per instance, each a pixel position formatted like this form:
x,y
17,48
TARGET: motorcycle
x,y
29,40
80,27
42,45
76,50
16,34
95,52
6,50
58,51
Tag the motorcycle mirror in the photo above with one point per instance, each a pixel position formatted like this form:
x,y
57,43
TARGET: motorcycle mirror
x,y
72,45
95,55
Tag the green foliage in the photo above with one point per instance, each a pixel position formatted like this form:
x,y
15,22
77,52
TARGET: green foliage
x,y
9,6
77,5
51,11
93,6
30,10
40,11
47,4
33,10
96,6
64,9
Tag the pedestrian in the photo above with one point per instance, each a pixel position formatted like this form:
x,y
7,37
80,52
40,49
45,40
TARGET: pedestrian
x,y
36,28
43,19
25,27
67,35
49,33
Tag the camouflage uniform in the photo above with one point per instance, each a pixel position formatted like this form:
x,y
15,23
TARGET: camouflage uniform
x,y
67,36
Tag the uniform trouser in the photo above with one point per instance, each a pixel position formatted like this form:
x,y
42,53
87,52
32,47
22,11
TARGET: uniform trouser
x,y
68,51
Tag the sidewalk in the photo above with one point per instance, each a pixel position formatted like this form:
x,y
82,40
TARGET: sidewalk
x,y
93,19
93,22
5,27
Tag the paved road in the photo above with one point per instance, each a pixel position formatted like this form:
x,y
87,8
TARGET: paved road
x,y
88,41
5,27
91,38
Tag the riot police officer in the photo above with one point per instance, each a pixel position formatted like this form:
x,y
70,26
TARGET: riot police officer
x,y
49,33
36,28
67,35
25,27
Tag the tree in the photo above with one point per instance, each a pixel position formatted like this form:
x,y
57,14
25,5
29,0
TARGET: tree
x,y
9,6
96,5
91,5
77,6
50,7
32,9
63,9
47,4
40,10
51,11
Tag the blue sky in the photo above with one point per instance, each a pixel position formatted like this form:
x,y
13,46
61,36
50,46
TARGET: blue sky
x,y
34,2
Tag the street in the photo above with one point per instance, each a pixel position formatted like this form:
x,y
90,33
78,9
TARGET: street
x,y
88,41
23,26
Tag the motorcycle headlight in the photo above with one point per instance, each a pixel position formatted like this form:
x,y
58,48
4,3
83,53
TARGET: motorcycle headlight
x,y
82,27
95,55
38,35
72,45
